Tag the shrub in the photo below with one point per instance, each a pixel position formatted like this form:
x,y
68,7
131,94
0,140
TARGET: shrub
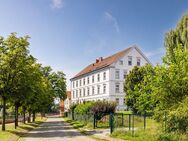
x,y
84,108
73,106
102,108
178,119
164,136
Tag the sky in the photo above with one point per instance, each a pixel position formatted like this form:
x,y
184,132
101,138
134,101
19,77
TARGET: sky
x,y
70,34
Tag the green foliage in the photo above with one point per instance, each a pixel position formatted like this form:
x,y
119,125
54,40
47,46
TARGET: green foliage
x,y
176,37
170,85
84,108
23,82
102,108
73,106
164,136
146,135
178,118
138,89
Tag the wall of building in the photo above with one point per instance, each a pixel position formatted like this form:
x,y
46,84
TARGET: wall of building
x,y
123,69
77,88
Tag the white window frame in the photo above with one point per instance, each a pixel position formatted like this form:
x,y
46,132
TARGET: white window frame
x,y
138,61
93,79
125,73
104,88
117,89
130,60
93,90
120,62
104,75
98,77
117,74
98,89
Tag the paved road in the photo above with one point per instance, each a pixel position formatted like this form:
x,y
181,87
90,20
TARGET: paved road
x,y
55,129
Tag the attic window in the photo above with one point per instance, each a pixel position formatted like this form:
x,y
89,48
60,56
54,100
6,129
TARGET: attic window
x,y
130,60
121,62
138,61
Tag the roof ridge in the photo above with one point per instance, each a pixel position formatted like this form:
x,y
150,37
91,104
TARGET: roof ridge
x,y
104,63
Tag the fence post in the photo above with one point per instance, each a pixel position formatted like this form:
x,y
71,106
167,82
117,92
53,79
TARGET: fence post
x,y
72,115
129,122
111,123
133,126
94,121
122,120
144,120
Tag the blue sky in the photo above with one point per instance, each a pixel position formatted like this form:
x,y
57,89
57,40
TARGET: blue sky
x,y
69,34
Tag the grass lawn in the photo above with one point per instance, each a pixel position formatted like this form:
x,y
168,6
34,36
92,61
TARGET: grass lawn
x,y
12,134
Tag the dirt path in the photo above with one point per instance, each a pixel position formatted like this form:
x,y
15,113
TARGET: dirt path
x,y
55,129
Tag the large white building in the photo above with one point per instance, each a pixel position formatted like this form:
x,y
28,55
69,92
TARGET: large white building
x,y
103,79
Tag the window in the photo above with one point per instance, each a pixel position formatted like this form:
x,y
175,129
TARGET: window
x,y
117,101
73,95
93,79
117,74
76,83
138,61
73,84
80,93
80,82
98,77
130,60
93,90
88,80
84,82
88,91
104,88
121,62
125,74
84,92
76,93
104,76
117,88
98,89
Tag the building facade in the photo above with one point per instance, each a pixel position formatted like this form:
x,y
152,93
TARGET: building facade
x,y
104,79
64,105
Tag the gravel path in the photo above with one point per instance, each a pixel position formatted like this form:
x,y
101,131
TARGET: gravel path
x,y
55,129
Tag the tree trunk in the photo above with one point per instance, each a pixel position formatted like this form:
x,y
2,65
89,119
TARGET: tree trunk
x,y
4,113
29,118
16,115
33,116
24,115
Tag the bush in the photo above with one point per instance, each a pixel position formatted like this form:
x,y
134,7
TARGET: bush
x,y
102,108
168,137
177,119
84,108
73,106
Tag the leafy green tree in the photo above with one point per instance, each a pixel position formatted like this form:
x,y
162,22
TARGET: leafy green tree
x,y
13,53
138,89
176,37
171,82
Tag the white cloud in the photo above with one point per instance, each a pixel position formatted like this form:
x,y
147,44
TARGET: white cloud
x,y
112,19
57,4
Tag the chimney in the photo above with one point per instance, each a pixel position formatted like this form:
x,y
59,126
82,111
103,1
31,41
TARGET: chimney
x,y
100,59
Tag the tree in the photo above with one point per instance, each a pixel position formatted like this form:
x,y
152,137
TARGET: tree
x,y
176,37
138,89
13,52
58,82
171,82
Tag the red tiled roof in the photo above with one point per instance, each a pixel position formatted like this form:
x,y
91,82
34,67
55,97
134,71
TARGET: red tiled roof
x,y
103,63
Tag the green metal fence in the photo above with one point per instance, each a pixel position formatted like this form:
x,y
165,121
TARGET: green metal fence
x,y
113,121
